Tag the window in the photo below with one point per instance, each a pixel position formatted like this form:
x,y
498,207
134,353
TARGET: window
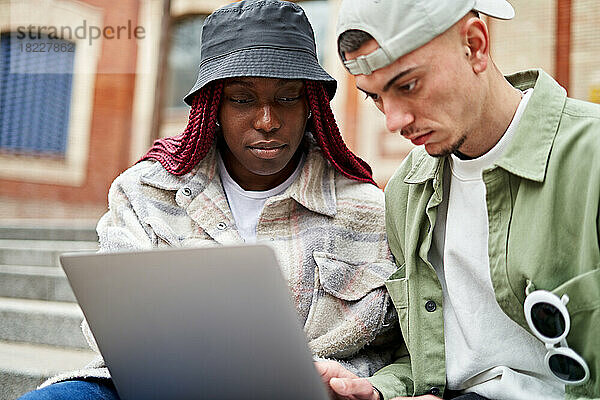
x,y
183,59
46,96
317,13
34,99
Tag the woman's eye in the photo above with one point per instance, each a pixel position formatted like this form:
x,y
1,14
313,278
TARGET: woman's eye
x,y
240,100
286,99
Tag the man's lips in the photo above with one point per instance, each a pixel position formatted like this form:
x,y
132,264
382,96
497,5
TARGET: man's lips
x,y
420,138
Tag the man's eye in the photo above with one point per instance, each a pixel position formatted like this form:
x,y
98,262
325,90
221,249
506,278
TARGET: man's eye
x,y
371,96
409,86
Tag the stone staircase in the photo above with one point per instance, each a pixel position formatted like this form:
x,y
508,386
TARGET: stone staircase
x,y
39,317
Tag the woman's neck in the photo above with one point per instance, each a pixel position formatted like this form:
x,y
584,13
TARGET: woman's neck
x,y
256,182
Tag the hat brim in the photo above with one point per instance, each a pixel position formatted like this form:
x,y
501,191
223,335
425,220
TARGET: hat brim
x,y
495,8
264,62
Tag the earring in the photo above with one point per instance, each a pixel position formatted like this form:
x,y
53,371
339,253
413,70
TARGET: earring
x,y
217,123
309,114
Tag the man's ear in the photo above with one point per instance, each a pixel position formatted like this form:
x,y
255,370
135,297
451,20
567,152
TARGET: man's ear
x,y
475,36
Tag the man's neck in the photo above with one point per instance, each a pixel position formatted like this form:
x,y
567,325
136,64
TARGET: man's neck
x,y
501,104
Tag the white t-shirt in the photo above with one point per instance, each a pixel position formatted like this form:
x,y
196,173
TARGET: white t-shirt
x,y
486,351
247,205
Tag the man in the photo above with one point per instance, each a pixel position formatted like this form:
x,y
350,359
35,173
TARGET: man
x,y
493,219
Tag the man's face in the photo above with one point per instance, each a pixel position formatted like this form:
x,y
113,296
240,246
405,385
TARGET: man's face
x,y
429,95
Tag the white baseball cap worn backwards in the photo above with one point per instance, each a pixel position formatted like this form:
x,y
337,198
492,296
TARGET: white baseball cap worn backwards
x,y
401,26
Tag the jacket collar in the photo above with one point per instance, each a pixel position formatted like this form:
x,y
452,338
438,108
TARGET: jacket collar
x,y
314,188
528,153
425,168
199,176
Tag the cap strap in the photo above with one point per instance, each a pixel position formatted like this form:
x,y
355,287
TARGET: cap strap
x,y
366,65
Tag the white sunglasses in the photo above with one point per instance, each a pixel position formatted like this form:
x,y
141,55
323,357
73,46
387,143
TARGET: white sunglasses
x,y
548,319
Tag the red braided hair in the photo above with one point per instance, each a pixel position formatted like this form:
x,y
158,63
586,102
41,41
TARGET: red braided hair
x,y
329,138
179,154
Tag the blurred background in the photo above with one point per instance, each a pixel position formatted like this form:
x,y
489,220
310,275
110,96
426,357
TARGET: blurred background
x,y
87,85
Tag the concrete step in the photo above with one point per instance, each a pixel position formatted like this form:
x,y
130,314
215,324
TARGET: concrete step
x,y
26,231
39,252
34,282
23,366
43,322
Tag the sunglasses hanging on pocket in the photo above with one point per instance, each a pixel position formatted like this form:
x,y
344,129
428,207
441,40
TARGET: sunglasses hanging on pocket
x,y
548,319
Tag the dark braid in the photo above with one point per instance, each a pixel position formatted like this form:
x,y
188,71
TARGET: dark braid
x,y
329,138
179,154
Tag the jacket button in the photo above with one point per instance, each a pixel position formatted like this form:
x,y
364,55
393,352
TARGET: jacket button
x,y
434,391
221,226
187,191
430,306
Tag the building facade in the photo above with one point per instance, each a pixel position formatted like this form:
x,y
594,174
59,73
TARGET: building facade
x,y
71,121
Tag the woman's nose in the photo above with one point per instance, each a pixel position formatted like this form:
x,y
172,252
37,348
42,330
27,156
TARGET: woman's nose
x,y
266,119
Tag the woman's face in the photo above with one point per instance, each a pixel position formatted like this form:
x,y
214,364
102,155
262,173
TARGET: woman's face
x,y
262,123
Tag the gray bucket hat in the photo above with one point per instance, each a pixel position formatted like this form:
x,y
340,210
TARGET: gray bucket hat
x,y
260,38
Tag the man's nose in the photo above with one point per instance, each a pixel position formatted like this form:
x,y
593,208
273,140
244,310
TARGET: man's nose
x,y
266,119
397,116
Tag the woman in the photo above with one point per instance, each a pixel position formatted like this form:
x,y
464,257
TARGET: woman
x,y
262,159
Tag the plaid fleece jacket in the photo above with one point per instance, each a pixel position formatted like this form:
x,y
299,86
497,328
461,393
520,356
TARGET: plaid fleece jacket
x,y
328,233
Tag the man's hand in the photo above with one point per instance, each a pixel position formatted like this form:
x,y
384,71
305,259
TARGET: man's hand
x,y
343,384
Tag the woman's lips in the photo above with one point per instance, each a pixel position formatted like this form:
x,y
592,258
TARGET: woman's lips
x,y
267,152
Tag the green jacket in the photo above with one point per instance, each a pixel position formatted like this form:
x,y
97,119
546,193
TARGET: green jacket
x,y
543,198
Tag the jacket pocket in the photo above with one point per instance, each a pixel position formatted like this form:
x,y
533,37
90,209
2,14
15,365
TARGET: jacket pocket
x,y
398,291
349,305
584,312
583,291
350,280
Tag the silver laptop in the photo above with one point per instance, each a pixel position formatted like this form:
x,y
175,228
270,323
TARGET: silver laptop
x,y
207,323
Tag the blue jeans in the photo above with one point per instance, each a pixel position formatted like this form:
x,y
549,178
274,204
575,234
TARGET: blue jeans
x,y
100,389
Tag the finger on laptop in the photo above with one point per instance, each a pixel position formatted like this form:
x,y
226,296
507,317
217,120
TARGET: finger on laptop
x,y
343,384
353,389
330,369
